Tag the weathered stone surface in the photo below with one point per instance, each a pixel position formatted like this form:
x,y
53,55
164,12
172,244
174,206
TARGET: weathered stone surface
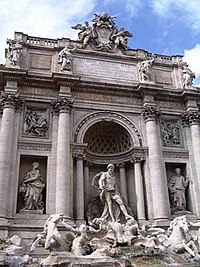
x,y
105,69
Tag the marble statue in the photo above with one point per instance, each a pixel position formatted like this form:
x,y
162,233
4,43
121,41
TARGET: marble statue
x,y
110,196
103,19
103,35
85,34
107,241
65,58
80,241
188,75
50,237
35,124
197,237
32,187
14,51
121,37
144,69
177,187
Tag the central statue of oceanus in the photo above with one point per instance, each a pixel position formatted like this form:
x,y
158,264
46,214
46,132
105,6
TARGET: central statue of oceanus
x,y
110,196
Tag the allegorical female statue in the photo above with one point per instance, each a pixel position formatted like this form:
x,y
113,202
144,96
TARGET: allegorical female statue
x,y
177,188
32,187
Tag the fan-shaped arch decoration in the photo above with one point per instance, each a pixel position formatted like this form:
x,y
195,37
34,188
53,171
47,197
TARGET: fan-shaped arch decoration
x,y
107,137
108,116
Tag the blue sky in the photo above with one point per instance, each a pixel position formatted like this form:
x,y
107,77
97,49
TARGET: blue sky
x,y
168,27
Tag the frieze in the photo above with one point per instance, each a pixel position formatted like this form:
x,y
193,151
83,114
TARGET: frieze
x,y
37,89
112,115
180,154
35,123
173,105
24,145
171,133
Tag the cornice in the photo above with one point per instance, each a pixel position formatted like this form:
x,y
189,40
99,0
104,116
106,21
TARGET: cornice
x,y
126,156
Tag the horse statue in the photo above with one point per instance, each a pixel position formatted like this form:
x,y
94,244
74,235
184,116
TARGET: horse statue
x,y
178,237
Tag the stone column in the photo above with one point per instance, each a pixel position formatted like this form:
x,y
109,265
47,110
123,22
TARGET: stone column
x,y
86,181
79,185
63,170
6,135
139,189
156,165
122,179
192,118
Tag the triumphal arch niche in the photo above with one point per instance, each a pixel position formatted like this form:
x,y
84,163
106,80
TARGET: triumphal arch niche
x,y
70,108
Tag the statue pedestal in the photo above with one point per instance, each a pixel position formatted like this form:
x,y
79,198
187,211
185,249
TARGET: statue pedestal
x,y
32,211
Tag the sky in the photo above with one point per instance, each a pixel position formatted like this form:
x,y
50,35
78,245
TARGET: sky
x,y
169,27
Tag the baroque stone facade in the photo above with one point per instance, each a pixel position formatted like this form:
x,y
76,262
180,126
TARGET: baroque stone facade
x,y
70,108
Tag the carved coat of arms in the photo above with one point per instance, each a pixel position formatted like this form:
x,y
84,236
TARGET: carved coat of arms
x,y
103,35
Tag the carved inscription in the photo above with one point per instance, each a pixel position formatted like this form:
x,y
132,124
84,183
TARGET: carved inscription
x,y
105,69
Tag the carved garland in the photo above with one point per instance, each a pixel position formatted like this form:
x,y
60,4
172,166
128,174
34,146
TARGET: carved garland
x,y
112,115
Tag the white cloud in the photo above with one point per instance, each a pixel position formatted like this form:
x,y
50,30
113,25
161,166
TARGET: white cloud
x,y
128,7
190,8
192,57
49,18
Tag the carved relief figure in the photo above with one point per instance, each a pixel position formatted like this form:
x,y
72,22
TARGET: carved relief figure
x,y
145,69
14,51
85,33
188,75
32,187
65,58
177,187
110,196
35,124
170,134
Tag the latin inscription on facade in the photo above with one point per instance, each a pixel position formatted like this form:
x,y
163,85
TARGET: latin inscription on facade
x,y
105,69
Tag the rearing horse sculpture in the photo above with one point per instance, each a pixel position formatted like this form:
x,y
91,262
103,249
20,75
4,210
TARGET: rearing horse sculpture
x,y
178,236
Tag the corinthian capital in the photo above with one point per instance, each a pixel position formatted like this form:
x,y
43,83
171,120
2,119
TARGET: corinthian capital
x,y
190,117
150,113
79,154
63,104
9,100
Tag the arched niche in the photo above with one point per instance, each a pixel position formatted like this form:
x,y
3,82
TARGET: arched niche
x,y
104,116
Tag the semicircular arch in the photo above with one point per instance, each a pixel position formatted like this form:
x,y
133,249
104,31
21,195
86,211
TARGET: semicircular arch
x,y
95,117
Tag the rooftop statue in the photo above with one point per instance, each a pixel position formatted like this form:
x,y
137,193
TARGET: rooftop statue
x,y
145,68
103,34
188,75
65,58
14,52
